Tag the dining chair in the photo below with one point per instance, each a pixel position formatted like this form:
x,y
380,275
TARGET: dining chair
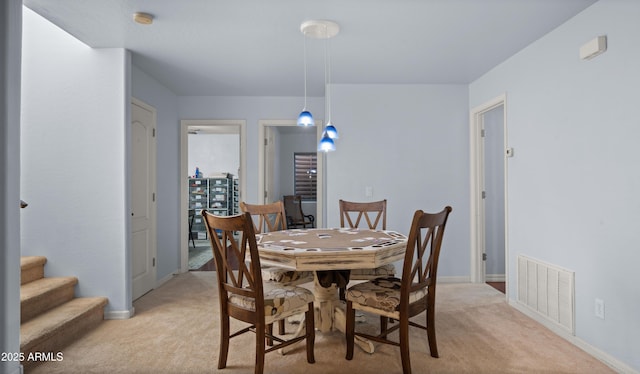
x,y
267,218
374,214
401,299
245,297
295,216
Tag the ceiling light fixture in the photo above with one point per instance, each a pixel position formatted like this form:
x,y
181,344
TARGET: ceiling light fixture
x,y
143,18
323,29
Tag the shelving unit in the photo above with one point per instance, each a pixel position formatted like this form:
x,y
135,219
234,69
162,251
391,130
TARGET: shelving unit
x,y
236,196
214,194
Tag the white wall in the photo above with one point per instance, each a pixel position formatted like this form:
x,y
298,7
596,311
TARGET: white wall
x,y
214,154
574,180
10,29
74,127
147,89
410,143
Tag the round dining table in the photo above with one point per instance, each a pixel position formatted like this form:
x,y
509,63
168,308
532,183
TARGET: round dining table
x,y
331,254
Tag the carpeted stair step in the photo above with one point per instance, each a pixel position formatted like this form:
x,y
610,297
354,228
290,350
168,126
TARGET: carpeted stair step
x,y
40,295
56,328
31,268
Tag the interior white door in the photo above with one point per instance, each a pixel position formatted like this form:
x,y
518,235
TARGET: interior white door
x,y
269,166
494,199
143,204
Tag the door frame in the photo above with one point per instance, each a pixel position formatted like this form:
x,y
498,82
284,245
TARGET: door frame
x,y
320,186
477,208
241,126
154,188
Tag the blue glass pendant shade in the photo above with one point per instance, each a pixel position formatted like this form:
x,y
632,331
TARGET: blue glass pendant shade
x,y
331,131
305,119
326,144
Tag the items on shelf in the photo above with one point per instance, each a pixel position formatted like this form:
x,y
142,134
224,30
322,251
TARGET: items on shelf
x,y
217,195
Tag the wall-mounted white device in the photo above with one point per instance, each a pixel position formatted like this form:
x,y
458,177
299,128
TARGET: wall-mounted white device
x,y
509,151
593,48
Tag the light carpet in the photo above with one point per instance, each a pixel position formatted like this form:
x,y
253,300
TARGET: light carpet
x,y
175,330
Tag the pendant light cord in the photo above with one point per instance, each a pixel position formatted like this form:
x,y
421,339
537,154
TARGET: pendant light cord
x,y
304,35
327,76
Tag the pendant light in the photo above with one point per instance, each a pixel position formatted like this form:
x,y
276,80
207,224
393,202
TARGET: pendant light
x,y
329,129
326,143
305,118
323,29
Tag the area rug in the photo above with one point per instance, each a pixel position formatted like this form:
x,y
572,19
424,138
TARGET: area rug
x,y
199,256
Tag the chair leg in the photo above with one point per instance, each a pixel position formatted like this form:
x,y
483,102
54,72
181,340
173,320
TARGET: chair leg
x,y
310,333
269,331
350,315
281,330
404,345
431,332
260,347
224,341
383,326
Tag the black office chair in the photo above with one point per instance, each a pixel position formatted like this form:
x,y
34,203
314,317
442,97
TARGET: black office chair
x,y
295,216
192,216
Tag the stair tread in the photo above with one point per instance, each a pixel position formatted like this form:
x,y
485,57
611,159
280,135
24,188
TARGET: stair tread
x,y
46,324
42,286
27,262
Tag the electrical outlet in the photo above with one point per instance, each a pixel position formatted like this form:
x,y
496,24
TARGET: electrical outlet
x,y
368,191
599,308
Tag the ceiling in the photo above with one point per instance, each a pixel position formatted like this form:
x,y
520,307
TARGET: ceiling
x,y
255,47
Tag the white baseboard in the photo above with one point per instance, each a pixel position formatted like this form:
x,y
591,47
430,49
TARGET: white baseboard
x,y
456,279
120,314
494,278
605,358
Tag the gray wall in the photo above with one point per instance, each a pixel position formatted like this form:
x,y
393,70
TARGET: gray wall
x,y
10,29
74,136
571,122
147,89
410,143
251,109
574,180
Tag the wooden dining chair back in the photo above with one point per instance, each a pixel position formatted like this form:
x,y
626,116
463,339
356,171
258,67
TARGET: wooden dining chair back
x,y
373,213
269,217
244,296
294,213
404,298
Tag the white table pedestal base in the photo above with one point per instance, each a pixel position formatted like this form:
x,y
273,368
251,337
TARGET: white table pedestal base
x,y
330,315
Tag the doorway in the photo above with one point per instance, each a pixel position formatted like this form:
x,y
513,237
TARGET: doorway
x,y
489,252
227,186
143,198
277,140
